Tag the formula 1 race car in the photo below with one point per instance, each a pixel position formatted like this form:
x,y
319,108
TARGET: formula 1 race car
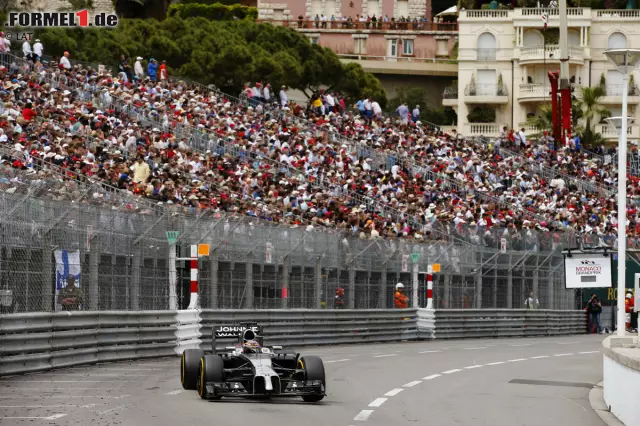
x,y
251,370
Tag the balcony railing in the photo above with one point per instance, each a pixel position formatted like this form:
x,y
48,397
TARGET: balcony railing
x,y
617,89
529,53
538,11
530,129
485,90
618,13
482,129
450,93
534,90
606,131
357,25
486,14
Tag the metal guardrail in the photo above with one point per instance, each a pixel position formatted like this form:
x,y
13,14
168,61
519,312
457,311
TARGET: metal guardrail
x,y
318,327
42,341
478,323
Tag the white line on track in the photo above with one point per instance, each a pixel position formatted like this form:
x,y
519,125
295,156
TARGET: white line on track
x,y
377,402
589,352
496,363
67,381
539,357
393,392
49,406
563,354
517,360
473,349
363,415
455,370
431,377
429,352
384,356
473,366
52,417
411,384
523,344
175,392
118,408
567,343
338,360
62,396
91,374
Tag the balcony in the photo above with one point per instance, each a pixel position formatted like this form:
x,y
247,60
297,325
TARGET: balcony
x,y
616,15
450,96
530,129
607,132
541,92
402,65
482,129
365,27
549,54
531,16
613,95
486,94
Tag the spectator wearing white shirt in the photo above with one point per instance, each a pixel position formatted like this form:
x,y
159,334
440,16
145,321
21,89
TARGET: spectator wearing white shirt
x,y
266,93
137,68
26,50
64,61
37,50
283,96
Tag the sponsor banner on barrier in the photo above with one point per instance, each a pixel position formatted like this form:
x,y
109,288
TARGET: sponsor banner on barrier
x,y
234,330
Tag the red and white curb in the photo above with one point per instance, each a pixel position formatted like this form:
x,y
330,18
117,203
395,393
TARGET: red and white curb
x,y
378,402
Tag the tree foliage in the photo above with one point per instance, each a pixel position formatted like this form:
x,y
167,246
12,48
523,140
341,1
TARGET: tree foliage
x,y
215,11
225,53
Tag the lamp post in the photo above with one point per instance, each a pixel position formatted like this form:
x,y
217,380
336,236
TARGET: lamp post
x,y
625,61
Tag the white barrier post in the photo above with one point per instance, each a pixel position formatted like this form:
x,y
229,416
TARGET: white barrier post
x,y
430,287
194,277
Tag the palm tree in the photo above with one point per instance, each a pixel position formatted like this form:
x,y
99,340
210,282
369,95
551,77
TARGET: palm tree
x,y
590,106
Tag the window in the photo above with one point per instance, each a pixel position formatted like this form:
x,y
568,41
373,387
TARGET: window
x,y
486,47
360,46
314,39
617,41
393,48
407,47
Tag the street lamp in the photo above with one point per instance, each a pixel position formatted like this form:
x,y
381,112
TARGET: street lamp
x,y
625,61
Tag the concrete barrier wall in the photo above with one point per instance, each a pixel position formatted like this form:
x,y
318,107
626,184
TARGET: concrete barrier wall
x,y
621,370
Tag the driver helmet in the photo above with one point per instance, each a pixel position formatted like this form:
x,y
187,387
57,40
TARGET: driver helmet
x,y
629,296
399,286
251,346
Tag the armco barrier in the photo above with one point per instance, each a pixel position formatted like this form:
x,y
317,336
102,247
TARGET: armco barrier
x,y
188,324
318,327
42,341
477,323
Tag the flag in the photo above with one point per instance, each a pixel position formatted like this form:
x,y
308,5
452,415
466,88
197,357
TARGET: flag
x,y
545,19
67,263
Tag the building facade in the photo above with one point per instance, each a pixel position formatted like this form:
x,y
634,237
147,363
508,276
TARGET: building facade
x,y
505,56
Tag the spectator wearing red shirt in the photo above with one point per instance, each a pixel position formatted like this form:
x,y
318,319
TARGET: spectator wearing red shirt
x,y
28,114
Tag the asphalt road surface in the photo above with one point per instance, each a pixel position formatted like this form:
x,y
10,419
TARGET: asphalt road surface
x,y
497,382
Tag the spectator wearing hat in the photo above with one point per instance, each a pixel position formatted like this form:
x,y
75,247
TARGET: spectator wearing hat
x,y
152,69
137,68
64,61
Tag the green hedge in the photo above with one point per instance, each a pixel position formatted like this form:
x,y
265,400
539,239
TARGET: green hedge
x,y
225,2
214,12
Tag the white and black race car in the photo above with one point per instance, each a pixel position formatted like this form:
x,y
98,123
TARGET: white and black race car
x,y
250,369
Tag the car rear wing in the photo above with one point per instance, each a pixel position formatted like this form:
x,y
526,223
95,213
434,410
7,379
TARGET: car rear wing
x,y
224,334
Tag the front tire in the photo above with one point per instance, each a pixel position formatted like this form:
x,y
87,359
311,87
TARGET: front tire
x,y
189,365
211,369
314,370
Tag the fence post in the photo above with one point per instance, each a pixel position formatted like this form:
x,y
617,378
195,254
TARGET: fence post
x,y
318,284
447,291
213,272
173,277
351,294
536,276
382,295
478,278
510,286
415,284
48,269
248,285
551,291
136,275
286,277
92,285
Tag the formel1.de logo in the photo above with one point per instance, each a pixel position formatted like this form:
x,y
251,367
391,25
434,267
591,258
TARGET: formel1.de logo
x,y
61,19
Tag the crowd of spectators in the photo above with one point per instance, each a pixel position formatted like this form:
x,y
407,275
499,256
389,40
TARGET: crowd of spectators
x,y
188,146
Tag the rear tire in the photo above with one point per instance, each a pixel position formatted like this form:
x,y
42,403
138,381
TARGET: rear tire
x,y
211,369
189,365
314,370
